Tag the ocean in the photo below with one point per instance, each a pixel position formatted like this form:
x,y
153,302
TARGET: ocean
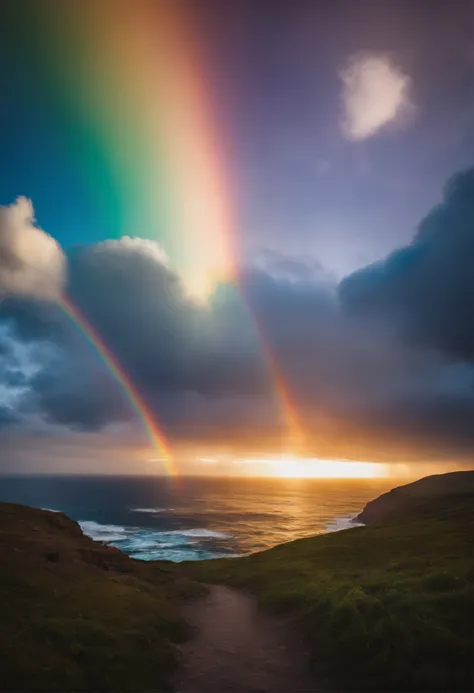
x,y
155,518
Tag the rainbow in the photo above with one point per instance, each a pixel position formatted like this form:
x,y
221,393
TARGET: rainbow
x,y
294,437
132,77
160,445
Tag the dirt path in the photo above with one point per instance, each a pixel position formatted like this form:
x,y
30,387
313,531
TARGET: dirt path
x,y
239,649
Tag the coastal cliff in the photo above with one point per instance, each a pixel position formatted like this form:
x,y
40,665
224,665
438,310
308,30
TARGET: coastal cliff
x,y
424,495
77,615
383,607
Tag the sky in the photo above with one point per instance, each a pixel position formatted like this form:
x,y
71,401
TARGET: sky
x,y
235,232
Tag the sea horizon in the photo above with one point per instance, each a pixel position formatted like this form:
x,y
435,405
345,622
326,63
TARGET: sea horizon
x,y
152,517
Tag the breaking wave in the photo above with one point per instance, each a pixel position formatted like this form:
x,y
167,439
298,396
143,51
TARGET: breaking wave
x,y
153,545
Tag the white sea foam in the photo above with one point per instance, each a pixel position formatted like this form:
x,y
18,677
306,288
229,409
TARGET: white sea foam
x,y
179,555
99,532
151,511
200,533
150,544
341,523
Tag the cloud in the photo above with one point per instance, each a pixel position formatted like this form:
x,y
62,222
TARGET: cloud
x,y
375,93
142,246
31,262
426,289
380,366
8,417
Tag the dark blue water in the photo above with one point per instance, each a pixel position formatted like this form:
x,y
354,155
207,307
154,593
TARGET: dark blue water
x,y
158,518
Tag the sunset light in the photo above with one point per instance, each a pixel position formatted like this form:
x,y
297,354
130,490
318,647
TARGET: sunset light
x,y
236,300
291,467
294,467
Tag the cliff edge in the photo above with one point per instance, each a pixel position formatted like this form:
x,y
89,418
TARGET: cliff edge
x,y
429,494
78,615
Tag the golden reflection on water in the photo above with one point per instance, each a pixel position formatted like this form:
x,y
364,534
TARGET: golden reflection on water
x,y
262,512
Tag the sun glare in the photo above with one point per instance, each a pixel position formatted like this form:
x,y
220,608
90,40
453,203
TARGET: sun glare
x,y
303,468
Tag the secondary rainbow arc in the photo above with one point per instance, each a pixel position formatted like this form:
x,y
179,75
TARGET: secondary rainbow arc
x,y
157,437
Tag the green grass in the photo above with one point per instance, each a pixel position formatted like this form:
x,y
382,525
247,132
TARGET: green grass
x,y
76,615
388,607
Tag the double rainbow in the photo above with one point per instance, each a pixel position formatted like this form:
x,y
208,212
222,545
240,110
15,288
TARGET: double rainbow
x,y
133,73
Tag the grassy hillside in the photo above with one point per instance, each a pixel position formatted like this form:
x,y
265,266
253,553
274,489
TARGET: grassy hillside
x,y
76,615
421,495
388,607
449,483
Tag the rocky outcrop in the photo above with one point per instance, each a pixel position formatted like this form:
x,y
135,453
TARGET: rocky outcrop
x,y
419,496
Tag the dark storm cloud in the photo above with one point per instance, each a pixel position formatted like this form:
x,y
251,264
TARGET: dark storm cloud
x,y
427,288
197,367
74,397
7,417
31,320
383,359
11,378
11,373
166,341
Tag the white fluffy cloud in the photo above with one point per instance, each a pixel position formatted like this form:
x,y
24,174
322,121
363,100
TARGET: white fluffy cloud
x,y
143,246
31,262
375,93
